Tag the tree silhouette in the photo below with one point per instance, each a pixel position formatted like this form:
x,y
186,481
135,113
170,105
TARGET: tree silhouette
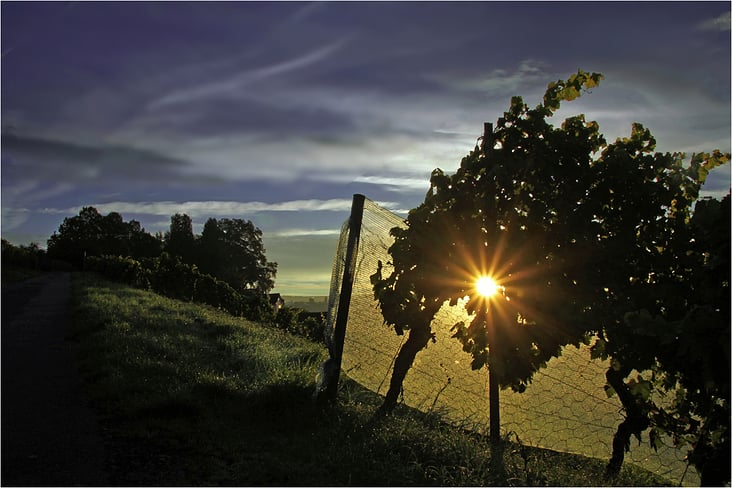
x,y
580,235
232,250
180,240
91,234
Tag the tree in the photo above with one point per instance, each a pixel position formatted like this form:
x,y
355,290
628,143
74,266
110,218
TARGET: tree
x,y
580,234
646,274
142,244
28,256
700,362
77,237
503,213
232,250
210,249
180,240
91,234
676,326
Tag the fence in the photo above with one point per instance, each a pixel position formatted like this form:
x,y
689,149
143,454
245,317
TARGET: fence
x,y
565,408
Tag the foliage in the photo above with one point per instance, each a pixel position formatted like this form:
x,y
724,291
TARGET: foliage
x,y
503,213
29,256
180,240
229,249
122,269
648,272
585,238
687,327
195,397
169,276
232,250
22,262
300,322
91,234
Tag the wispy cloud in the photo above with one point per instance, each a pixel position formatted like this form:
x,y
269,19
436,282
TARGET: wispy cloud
x,y
62,160
304,232
236,84
395,183
721,23
217,208
502,80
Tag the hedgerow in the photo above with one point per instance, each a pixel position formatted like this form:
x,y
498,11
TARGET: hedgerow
x,y
169,276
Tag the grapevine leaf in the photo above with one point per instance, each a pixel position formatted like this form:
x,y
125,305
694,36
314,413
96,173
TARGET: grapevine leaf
x,y
655,439
597,351
641,388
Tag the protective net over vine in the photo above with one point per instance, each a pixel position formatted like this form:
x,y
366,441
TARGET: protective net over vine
x,y
565,408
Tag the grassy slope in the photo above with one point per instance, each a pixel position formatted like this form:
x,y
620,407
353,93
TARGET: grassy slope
x,y
192,396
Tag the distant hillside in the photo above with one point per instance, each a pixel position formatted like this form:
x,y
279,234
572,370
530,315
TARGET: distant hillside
x,y
309,303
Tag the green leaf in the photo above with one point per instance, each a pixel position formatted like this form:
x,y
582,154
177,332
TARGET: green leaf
x,y
655,439
615,364
641,388
597,351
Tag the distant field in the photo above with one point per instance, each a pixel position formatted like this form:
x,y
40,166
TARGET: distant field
x,y
309,303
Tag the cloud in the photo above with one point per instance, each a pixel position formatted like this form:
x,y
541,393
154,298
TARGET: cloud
x,y
304,232
12,218
721,23
261,117
395,183
218,208
57,160
529,72
238,82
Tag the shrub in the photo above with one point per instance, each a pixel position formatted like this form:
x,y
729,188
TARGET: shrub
x,y
122,269
22,256
300,322
169,276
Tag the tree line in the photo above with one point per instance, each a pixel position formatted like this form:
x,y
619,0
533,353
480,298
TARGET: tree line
x,y
230,250
225,267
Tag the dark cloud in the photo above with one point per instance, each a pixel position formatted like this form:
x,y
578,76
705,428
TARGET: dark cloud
x,y
221,117
35,158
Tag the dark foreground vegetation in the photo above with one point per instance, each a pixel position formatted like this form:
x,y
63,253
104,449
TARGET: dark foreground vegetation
x,y
190,395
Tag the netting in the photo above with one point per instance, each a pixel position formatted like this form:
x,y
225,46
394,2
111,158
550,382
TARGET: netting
x,y
565,408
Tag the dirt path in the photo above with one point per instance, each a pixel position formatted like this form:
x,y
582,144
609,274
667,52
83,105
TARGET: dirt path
x,y
50,435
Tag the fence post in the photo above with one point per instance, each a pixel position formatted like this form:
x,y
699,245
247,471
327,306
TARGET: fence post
x,y
493,389
344,301
494,412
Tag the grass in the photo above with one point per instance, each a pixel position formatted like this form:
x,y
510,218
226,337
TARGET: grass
x,y
192,396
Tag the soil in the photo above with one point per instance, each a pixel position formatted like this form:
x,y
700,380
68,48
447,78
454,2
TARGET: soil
x,y
50,434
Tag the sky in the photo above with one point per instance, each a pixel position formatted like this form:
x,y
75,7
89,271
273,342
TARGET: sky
x,y
279,112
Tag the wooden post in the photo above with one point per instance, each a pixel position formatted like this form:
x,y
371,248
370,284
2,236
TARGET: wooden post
x,y
493,389
494,412
344,301
487,141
